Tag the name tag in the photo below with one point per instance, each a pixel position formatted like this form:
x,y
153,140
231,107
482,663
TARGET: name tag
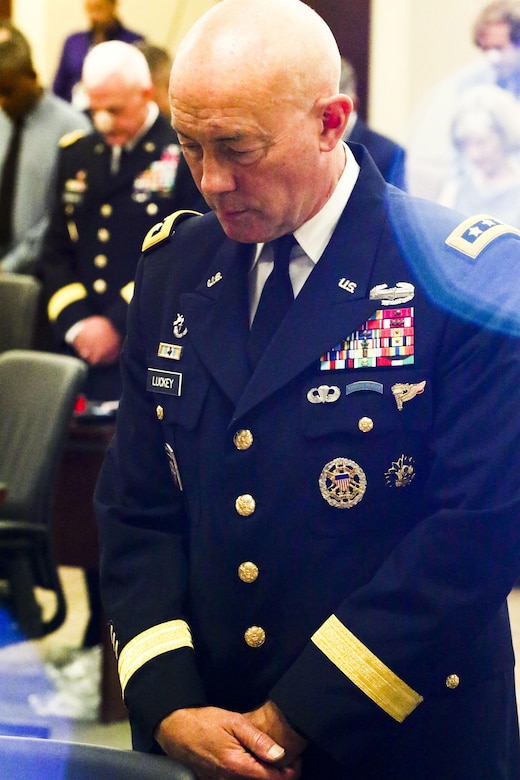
x,y
168,382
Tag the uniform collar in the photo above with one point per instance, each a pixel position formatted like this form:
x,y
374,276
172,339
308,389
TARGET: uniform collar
x,y
314,235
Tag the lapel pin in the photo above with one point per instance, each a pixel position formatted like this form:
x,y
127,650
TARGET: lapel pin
x,y
347,285
214,279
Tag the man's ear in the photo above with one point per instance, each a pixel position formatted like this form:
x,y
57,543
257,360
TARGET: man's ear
x,y
335,112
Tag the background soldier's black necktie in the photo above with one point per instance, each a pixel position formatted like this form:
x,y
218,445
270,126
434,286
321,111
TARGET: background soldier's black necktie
x,y
276,298
8,183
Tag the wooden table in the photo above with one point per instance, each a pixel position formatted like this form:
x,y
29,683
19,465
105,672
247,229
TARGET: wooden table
x,y
75,533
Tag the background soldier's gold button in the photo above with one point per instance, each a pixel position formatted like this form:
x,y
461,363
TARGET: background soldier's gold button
x,y
245,505
255,636
106,210
365,424
243,439
452,681
248,571
152,209
100,261
160,412
69,208
103,235
100,286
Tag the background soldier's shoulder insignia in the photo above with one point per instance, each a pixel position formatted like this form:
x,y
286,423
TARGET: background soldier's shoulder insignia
x,y
163,230
70,138
475,233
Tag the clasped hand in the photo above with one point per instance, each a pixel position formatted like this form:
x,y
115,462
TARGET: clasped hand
x,y
219,744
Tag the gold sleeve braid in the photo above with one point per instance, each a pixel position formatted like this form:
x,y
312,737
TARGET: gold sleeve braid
x,y
64,297
151,643
365,670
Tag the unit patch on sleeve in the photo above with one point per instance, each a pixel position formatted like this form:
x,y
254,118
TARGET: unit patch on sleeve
x,y
386,339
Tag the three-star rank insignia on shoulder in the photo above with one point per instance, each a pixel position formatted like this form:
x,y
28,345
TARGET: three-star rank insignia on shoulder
x,y
475,233
163,230
386,339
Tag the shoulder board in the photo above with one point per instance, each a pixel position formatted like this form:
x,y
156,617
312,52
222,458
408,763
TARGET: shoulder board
x,y
475,233
70,138
166,228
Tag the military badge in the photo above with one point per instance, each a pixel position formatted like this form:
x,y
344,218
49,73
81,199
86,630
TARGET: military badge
x,y
170,351
401,472
342,483
74,189
179,329
404,392
403,292
323,394
386,339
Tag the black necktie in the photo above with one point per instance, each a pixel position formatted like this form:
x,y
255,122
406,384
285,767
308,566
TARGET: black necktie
x,y
277,295
8,183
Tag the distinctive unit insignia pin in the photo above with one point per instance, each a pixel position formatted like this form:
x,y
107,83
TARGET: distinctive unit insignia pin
x,y
179,329
342,483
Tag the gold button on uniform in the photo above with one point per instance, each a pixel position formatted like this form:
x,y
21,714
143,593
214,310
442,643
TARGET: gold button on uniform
x,y
243,439
100,261
245,505
365,424
248,571
159,412
452,681
69,209
100,286
106,210
152,209
103,235
255,636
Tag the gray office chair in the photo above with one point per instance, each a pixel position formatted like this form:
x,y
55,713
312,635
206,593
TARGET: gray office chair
x,y
19,301
37,395
26,758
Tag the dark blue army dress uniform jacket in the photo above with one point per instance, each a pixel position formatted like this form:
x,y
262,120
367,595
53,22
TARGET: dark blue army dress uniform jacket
x,y
339,530
91,249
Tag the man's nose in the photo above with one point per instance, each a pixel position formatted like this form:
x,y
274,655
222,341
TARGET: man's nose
x,y
217,177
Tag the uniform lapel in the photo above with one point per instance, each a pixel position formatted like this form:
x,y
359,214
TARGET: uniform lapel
x,y
335,299
217,317
333,303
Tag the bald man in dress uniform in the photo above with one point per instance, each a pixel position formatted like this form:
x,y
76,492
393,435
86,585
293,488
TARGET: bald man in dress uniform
x,y
114,184
309,527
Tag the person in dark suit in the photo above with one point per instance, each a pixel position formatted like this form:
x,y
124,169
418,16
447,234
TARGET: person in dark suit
x,y
113,185
388,155
307,546
104,25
